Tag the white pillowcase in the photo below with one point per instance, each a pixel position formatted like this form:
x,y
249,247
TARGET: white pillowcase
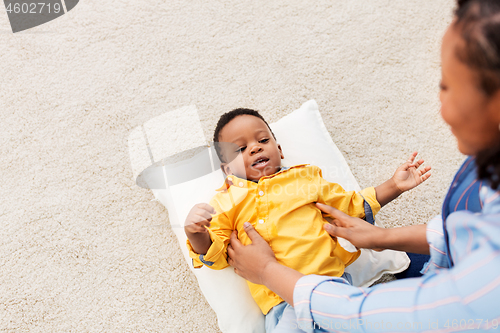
x,y
304,139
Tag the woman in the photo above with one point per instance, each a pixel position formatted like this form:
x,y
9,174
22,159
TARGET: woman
x,y
461,287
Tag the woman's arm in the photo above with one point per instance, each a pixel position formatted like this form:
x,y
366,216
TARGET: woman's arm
x,y
439,302
367,236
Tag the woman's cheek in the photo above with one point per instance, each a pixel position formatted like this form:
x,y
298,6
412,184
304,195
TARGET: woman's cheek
x,y
443,111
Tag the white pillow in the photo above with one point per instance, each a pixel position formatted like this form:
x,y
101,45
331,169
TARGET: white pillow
x,y
180,185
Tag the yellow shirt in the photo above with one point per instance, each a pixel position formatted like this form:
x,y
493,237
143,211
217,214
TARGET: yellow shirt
x,y
281,207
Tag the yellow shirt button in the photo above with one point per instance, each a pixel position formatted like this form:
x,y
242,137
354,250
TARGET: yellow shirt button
x,y
261,221
241,184
261,193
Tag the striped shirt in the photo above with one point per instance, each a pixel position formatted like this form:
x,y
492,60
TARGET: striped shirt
x,y
462,195
461,293
464,190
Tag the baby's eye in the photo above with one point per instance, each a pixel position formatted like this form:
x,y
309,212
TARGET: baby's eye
x,y
241,149
264,140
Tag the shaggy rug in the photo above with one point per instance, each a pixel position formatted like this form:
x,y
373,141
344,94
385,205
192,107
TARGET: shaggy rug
x,y
82,247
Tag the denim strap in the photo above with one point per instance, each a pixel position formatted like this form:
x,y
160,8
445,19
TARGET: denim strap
x,y
206,262
368,211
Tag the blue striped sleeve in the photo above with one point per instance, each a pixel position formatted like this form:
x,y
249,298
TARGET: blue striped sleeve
x,y
437,245
462,298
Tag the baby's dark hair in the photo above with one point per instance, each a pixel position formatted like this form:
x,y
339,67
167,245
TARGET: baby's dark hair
x,y
227,117
479,24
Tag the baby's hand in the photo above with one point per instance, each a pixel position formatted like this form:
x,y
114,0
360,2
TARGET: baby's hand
x,y
199,217
408,175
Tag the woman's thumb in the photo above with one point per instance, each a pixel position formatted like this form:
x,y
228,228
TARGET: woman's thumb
x,y
251,232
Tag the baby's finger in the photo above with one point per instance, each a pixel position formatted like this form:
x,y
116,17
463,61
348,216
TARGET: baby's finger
x,y
207,207
417,164
204,215
424,170
425,177
204,223
200,222
196,228
412,157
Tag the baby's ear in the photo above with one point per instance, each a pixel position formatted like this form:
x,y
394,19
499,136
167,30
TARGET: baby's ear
x,y
226,169
281,152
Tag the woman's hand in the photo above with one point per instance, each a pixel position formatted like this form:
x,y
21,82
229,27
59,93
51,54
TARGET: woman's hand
x,y
250,261
256,263
364,235
357,231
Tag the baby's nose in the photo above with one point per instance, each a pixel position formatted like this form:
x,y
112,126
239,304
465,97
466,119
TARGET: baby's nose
x,y
256,149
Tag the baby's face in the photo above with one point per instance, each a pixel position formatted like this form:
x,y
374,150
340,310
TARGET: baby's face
x,y
253,152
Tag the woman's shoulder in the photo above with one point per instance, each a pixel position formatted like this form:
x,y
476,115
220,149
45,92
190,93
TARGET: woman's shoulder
x,y
469,230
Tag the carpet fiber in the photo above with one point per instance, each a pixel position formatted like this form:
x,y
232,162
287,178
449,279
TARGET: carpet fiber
x,y
82,248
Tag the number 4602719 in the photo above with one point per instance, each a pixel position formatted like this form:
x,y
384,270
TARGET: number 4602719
x,y
33,8
471,324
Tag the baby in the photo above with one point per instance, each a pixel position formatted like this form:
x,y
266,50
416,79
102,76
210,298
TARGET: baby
x,y
280,204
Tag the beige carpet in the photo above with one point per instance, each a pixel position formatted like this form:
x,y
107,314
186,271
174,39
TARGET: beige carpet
x,y
82,248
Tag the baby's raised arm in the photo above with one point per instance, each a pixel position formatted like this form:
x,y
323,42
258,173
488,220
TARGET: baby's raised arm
x,y
406,177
